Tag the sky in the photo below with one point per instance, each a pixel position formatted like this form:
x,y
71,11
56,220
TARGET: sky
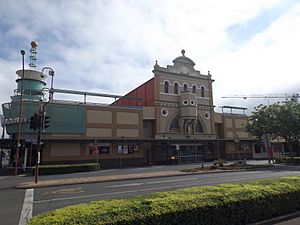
x,y
110,46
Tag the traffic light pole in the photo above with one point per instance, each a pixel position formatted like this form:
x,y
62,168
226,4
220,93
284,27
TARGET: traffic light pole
x,y
41,126
37,157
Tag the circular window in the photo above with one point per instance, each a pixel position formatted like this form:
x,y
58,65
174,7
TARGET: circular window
x,y
164,112
185,102
207,115
192,102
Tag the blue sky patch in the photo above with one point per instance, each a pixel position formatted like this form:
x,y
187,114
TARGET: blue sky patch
x,y
241,33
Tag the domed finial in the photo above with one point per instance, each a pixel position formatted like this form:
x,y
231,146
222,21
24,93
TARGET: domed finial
x,y
183,52
156,65
33,44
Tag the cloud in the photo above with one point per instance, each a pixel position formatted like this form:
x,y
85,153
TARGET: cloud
x,y
111,46
245,30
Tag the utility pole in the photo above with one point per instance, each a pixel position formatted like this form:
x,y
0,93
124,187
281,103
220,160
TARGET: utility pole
x,y
3,131
20,117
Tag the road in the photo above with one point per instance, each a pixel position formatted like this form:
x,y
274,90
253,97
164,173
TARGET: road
x,y
50,198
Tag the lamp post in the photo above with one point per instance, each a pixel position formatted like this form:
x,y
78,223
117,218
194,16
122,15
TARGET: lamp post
x,y
51,73
20,116
42,121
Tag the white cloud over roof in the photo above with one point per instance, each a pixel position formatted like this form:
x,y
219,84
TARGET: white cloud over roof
x,y
110,46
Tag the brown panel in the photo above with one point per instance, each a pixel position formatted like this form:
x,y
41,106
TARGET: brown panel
x,y
144,91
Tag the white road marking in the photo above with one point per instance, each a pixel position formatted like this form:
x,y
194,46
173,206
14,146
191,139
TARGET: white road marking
x,y
124,185
154,189
153,182
168,181
142,168
105,194
26,213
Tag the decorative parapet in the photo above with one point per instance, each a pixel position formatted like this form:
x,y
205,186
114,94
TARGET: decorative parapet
x,y
182,66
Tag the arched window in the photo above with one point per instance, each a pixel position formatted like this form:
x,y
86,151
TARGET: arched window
x,y
174,124
166,87
194,89
176,88
185,87
202,92
199,128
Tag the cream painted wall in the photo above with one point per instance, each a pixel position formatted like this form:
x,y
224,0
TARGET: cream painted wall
x,y
229,134
242,134
128,133
98,132
65,150
127,118
98,116
240,123
148,113
228,123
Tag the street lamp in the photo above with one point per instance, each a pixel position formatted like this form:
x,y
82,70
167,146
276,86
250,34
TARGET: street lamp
x,y
51,73
20,115
42,120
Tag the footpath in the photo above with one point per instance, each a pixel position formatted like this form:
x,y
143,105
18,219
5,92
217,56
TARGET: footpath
x,y
290,219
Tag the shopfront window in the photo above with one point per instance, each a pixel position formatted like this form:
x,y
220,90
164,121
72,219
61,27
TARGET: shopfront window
x,y
94,149
127,149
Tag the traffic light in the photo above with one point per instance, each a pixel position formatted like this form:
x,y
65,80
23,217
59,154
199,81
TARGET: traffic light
x,y
34,122
46,121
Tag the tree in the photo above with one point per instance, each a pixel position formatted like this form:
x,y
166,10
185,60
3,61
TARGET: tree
x,y
279,120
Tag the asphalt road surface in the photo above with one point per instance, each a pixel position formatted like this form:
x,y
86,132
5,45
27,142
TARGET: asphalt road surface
x,y
46,199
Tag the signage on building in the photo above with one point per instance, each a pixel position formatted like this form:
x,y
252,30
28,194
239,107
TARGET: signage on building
x,y
15,120
236,138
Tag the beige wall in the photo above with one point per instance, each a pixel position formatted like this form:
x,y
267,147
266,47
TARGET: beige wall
x,y
65,150
228,123
127,118
240,123
218,118
127,133
104,122
98,116
149,113
229,134
242,134
98,132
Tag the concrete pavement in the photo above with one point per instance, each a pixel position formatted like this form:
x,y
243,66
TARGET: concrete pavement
x,y
96,179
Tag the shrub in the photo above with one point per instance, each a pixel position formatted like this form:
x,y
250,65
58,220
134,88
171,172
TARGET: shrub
x,y
66,168
221,204
221,162
289,160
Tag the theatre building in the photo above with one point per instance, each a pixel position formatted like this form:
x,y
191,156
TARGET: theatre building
x,y
168,119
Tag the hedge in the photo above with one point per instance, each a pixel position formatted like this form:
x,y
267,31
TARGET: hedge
x,y
66,168
241,203
289,160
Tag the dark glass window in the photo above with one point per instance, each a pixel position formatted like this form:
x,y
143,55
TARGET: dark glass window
x,y
176,88
194,89
166,87
185,88
174,124
199,128
202,92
